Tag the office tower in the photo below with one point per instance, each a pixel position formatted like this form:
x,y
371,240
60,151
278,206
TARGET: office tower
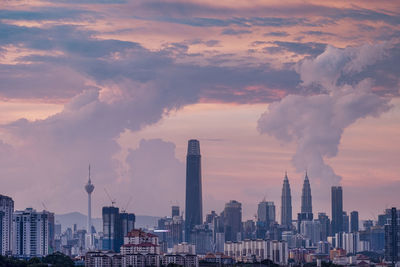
x,y
194,202
311,230
392,237
325,225
306,199
337,209
175,211
33,233
286,204
346,223
89,187
306,203
112,229
266,212
202,237
265,217
354,221
127,222
232,220
6,217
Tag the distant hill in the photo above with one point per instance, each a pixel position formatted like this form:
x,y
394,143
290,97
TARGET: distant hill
x,y
69,219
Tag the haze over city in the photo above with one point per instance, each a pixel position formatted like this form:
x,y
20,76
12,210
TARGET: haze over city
x,y
265,86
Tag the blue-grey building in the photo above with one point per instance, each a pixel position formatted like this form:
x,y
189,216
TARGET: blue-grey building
x,y
194,201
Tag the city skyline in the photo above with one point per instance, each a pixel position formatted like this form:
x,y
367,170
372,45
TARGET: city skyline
x,y
265,86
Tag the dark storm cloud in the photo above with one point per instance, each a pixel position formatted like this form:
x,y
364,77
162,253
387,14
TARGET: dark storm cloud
x,y
49,13
94,58
277,34
310,48
236,21
231,31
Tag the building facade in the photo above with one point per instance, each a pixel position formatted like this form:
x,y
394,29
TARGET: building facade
x,y
6,219
194,200
232,220
286,204
337,209
33,233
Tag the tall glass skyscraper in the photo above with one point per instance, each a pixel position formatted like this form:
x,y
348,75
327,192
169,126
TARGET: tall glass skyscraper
x,y
306,199
194,201
337,209
286,204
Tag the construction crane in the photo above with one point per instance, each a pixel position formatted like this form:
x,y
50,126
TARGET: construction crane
x,y
127,204
112,200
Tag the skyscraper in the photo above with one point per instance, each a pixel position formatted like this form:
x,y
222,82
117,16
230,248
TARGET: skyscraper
x,y
232,220
354,221
266,211
306,199
306,213
337,209
265,217
346,222
194,201
286,204
89,187
112,229
6,217
392,237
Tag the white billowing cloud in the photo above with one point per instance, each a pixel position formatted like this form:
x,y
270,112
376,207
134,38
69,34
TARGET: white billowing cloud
x,y
327,68
156,178
316,122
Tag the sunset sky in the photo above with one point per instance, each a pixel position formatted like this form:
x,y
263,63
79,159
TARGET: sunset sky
x,y
266,86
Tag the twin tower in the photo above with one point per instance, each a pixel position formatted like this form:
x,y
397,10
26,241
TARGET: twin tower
x,y
306,203
194,200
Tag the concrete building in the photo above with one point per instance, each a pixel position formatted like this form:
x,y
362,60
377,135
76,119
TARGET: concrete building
x,y
33,233
6,219
89,187
232,220
257,250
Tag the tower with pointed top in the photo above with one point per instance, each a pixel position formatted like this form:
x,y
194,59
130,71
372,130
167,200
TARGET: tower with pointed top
x,y
306,213
286,204
89,187
306,199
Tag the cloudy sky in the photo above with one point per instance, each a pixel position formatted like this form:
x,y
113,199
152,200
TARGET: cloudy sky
x,y
266,86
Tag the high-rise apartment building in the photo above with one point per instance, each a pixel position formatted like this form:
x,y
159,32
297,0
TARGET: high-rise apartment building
x,y
6,217
194,201
33,233
337,209
232,220
354,221
286,204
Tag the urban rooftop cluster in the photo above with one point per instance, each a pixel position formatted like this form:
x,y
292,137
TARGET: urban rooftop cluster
x,y
220,239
